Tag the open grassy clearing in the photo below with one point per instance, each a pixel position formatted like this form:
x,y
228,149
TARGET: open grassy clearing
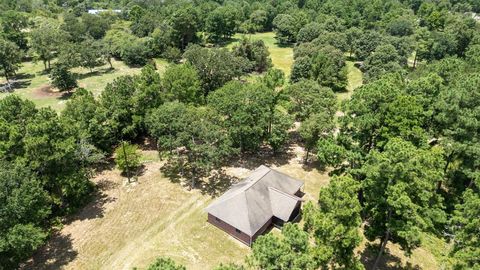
x,y
130,225
34,83
355,80
282,57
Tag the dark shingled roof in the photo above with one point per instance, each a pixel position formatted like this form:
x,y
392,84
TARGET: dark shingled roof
x,y
249,204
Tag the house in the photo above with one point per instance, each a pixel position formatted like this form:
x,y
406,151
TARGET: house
x,y
265,198
98,11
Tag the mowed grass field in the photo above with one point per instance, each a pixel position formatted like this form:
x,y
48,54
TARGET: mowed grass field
x,y
129,225
34,83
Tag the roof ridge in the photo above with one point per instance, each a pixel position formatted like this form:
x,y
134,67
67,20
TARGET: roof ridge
x,y
259,178
292,178
248,215
286,194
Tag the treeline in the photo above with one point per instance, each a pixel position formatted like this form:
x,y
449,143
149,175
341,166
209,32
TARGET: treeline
x,y
382,35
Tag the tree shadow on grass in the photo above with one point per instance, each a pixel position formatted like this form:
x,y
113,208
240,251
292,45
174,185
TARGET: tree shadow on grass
x,y
21,81
55,254
172,171
387,262
66,95
264,156
107,165
227,42
96,207
99,72
217,183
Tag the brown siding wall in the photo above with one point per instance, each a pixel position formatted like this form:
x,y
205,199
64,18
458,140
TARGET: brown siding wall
x,y
262,230
243,237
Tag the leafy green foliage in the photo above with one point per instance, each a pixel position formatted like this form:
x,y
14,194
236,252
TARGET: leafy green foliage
x,y
329,69
256,52
181,82
220,23
465,224
249,110
62,78
383,60
127,100
400,193
165,264
127,157
292,251
184,22
191,137
10,58
274,78
308,98
285,28
24,206
135,53
12,24
45,40
335,224
86,114
44,170
325,64
214,66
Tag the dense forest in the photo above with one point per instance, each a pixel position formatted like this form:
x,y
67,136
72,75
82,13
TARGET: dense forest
x,y
403,151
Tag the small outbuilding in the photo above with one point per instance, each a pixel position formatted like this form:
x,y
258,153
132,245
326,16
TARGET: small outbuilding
x,y
265,198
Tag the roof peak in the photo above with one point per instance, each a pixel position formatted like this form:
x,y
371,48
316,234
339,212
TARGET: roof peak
x,y
259,177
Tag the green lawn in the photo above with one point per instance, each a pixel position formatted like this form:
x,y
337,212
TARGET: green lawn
x,y
35,84
355,80
282,58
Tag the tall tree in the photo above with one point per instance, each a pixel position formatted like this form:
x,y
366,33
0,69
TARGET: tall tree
x,y
286,28
182,83
292,251
400,194
308,97
13,23
246,108
128,99
62,78
365,114
465,224
191,137
86,114
10,58
256,52
24,205
329,68
220,23
214,66
383,60
46,38
184,22
457,114
127,158
335,223
91,54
